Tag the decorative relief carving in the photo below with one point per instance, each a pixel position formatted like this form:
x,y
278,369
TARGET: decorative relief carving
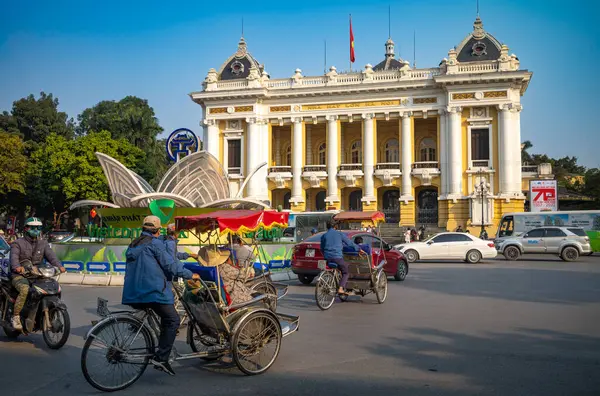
x,y
218,110
479,112
495,94
241,109
424,100
279,109
463,96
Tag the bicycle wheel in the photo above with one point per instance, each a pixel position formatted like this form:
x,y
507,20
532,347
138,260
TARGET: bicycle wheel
x,y
256,342
267,288
326,290
116,354
381,288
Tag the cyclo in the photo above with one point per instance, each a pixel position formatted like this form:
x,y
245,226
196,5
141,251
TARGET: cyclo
x,y
124,341
366,275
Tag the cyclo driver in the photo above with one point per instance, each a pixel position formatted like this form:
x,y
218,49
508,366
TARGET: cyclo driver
x,y
332,246
29,248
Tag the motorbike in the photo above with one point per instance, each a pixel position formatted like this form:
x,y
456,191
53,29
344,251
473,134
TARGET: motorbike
x,y
43,311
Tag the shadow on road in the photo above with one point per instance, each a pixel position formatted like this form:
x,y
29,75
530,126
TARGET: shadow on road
x,y
524,362
513,284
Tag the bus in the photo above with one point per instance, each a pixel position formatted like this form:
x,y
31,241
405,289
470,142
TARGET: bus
x,y
301,223
514,224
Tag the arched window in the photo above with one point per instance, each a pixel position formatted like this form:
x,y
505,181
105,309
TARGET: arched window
x,y
356,153
288,156
427,150
322,154
392,153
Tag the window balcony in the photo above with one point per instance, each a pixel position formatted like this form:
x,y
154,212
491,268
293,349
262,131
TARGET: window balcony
x,y
475,164
426,171
349,173
387,172
315,174
235,172
280,175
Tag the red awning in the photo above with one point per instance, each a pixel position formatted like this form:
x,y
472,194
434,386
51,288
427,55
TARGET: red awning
x,y
233,221
375,217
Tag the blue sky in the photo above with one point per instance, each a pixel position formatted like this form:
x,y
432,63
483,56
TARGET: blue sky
x,y
84,52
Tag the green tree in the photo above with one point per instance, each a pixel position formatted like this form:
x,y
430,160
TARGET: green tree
x,y
591,187
35,119
134,120
13,164
525,156
64,171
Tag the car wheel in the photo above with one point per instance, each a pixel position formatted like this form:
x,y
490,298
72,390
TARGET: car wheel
x,y
401,271
570,254
512,253
305,279
411,255
473,256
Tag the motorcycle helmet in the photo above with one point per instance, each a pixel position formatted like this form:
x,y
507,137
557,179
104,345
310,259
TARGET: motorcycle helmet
x,y
34,227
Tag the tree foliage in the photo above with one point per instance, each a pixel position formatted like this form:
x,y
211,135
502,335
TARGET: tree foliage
x,y
13,164
64,171
35,119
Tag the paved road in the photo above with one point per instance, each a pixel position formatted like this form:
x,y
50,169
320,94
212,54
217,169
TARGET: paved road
x,y
499,328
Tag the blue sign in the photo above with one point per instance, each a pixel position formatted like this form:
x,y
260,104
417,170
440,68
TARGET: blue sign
x,y
98,266
73,266
182,142
280,264
119,266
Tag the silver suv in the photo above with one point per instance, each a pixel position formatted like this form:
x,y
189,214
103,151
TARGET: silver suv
x,y
567,242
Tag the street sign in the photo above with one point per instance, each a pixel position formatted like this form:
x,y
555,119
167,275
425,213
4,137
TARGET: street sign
x,y
119,266
98,266
543,196
73,266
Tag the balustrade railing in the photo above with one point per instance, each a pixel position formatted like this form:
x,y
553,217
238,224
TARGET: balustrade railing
x,y
315,168
425,165
234,171
280,169
388,165
529,169
350,167
480,163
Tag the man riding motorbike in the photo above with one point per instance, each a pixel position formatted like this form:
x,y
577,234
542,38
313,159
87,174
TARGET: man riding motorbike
x,y
33,249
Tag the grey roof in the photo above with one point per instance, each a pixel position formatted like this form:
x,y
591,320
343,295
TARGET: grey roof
x,y
479,45
243,58
388,64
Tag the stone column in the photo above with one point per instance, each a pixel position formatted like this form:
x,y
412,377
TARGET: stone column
x,y
343,159
505,148
407,148
443,153
297,155
309,158
368,146
211,138
455,152
516,150
253,156
332,159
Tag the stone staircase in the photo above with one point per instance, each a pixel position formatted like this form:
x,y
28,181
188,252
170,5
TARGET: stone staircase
x,y
393,234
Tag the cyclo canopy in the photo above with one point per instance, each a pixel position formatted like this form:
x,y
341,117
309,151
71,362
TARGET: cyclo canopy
x,y
233,221
374,217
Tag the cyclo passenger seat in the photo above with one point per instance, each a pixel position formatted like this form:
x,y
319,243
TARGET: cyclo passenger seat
x,y
210,275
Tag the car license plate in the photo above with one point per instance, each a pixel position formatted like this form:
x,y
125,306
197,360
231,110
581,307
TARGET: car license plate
x,y
322,264
310,253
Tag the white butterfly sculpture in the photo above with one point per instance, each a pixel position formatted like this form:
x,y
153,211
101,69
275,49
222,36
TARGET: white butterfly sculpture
x,y
196,181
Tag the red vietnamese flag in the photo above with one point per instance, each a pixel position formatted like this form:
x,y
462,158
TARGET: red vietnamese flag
x,y
352,58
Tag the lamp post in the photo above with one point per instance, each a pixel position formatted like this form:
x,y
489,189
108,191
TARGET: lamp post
x,y
483,188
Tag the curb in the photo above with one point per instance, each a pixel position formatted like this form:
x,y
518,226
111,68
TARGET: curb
x,y
118,280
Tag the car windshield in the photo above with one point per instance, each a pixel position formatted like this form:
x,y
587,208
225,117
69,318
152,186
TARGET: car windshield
x,y
578,231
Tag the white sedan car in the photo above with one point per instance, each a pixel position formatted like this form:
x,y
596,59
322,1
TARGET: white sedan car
x,y
449,246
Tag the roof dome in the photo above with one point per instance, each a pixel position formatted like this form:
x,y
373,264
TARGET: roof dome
x,y
390,62
479,45
238,65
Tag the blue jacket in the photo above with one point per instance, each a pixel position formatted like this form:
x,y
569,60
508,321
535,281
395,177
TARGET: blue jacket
x,y
149,270
333,242
171,245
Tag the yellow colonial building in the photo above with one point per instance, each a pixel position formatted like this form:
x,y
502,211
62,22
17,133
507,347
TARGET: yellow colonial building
x,y
425,146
